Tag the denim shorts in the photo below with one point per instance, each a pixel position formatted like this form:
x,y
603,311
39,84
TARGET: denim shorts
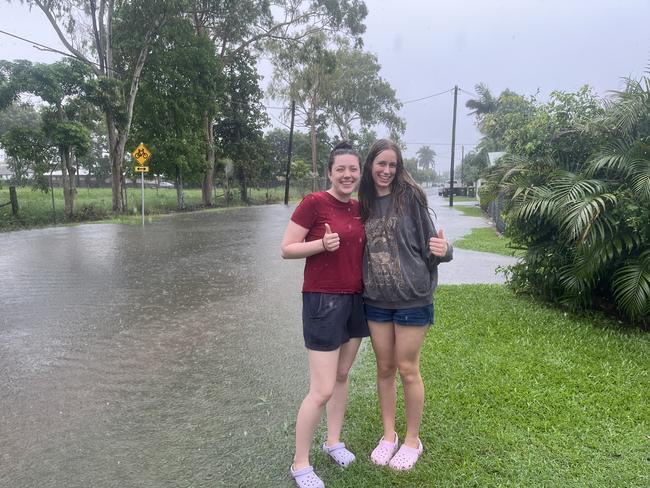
x,y
401,316
329,320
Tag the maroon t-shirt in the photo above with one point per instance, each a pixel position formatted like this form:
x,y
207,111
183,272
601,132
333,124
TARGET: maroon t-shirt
x,y
339,271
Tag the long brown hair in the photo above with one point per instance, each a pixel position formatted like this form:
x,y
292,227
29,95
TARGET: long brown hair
x,y
403,186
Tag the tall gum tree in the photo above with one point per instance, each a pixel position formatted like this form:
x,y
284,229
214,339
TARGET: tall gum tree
x,y
181,80
114,38
303,73
239,26
60,86
358,95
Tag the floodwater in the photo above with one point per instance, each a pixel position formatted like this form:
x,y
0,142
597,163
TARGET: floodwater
x,y
163,356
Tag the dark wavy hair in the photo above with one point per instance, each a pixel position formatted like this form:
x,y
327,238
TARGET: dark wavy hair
x,y
403,187
343,147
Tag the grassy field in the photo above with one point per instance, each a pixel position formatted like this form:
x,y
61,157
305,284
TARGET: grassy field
x,y
486,239
483,239
35,207
464,199
471,211
517,395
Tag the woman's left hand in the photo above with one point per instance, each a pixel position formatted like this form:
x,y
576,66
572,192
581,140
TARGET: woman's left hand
x,y
438,245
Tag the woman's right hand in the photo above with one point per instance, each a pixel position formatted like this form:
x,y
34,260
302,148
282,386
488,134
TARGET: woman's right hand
x,y
331,240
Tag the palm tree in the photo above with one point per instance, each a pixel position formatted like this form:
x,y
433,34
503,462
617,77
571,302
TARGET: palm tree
x,y
484,104
588,232
426,157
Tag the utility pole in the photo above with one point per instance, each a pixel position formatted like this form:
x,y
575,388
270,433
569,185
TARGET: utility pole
x,y
286,179
462,165
453,146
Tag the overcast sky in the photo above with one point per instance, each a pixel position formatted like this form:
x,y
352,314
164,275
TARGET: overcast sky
x,y
428,46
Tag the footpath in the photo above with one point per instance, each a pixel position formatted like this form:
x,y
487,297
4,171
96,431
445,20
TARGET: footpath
x,y
467,267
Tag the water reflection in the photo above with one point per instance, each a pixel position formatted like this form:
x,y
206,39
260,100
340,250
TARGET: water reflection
x,y
150,357
167,356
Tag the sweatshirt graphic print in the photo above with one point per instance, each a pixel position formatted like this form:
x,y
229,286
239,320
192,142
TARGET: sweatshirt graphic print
x,y
383,256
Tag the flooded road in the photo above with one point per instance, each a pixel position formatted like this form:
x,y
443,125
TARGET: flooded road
x,y
169,356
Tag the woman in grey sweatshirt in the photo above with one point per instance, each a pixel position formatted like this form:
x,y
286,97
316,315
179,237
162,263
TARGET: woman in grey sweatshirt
x,y
401,257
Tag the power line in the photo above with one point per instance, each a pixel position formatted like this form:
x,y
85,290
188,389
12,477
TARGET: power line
x,y
439,143
279,121
43,47
428,96
40,46
469,93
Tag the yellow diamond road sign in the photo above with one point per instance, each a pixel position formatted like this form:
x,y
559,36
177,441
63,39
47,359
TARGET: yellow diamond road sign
x,y
141,154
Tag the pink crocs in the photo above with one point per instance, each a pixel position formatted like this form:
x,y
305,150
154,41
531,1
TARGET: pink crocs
x,y
306,478
339,453
406,457
384,451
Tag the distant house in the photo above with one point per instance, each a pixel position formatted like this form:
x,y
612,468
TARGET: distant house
x,y
5,174
494,156
56,178
492,159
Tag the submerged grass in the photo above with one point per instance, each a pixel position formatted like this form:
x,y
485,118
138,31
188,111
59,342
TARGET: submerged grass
x,y
35,208
517,395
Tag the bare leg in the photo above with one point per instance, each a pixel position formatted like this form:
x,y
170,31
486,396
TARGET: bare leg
x,y
322,377
408,343
382,335
336,405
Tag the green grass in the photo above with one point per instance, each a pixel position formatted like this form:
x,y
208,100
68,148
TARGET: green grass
x,y
517,395
463,199
486,239
473,211
95,204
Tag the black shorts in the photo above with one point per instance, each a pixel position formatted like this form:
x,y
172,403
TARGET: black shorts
x,y
330,320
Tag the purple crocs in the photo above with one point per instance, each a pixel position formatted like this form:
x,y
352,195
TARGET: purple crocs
x,y
340,454
384,451
306,478
406,457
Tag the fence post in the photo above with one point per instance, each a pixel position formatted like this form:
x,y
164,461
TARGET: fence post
x,y
14,200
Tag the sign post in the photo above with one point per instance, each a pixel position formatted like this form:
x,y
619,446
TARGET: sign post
x,y
141,155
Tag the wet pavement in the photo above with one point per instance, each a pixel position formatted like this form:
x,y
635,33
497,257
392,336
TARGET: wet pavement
x,y
467,266
169,356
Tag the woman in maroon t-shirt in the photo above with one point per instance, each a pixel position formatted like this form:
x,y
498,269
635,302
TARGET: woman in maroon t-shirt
x,y
326,229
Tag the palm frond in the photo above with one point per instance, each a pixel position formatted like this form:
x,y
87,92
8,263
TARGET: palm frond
x,y
588,215
640,178
631,286
631,107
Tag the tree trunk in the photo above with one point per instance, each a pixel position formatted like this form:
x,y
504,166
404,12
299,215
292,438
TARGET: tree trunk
x,y
312,130
67,180
207,189
180,193
243,187
116,157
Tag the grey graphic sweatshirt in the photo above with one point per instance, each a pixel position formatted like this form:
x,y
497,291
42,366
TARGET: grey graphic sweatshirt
x,y
399,270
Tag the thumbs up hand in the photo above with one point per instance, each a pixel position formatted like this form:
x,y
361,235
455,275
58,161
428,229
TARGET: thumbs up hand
x,y
331,241
438,244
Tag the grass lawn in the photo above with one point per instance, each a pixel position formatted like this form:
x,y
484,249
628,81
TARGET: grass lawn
x,y
517,395
485,239
471,211
463,199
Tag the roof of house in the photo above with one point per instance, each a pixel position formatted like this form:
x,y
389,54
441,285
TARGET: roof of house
x,y
493,156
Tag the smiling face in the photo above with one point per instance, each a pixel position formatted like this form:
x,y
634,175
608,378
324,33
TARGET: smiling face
x,y
344,175
384,167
